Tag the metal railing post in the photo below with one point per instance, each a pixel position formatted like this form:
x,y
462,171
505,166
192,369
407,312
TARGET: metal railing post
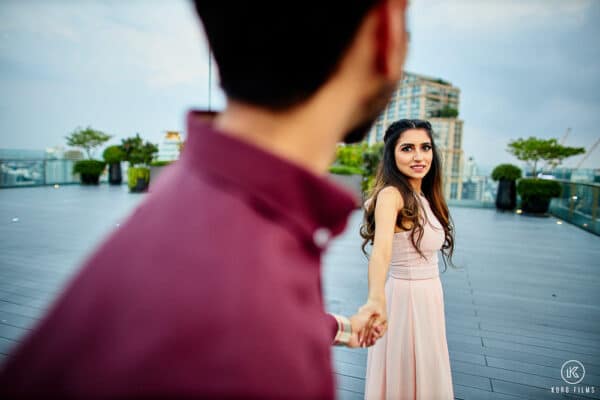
x,y
595,192
572,189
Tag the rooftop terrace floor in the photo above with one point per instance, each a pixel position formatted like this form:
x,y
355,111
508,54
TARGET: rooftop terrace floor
x,y
524,300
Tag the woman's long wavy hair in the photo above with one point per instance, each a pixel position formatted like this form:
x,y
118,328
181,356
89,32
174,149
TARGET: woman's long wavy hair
x,y
409,217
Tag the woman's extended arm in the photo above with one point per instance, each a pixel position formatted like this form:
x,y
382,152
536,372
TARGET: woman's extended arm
x,y
389,202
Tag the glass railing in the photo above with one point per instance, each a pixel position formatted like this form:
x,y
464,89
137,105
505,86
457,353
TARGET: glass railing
x,y
37,172
578,205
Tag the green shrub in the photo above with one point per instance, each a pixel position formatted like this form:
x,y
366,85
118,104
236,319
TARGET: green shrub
x,y
371,158
358,159
529,188
89,167
508,172
113,154
350,155
448,112
345,170
134,173
160,163
137,152
368,183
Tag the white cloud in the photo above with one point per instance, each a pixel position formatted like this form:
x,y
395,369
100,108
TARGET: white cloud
x,y
162,43
175,55
497,16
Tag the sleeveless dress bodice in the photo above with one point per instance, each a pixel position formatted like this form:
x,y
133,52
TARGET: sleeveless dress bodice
x,y
406,262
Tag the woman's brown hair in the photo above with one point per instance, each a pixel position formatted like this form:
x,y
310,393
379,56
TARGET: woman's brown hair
x,y
409,217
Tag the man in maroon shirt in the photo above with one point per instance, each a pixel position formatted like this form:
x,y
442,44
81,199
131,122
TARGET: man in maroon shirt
x,y
212,287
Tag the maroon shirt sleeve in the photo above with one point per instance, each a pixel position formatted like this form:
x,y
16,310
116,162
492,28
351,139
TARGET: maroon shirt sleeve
x,y
334,326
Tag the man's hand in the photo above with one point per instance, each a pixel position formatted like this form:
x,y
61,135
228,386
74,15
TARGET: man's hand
x,y
377,324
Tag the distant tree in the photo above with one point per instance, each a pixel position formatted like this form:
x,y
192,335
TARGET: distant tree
x,y
535,149
87,139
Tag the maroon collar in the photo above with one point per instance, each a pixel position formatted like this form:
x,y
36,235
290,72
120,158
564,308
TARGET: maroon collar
x,y
303,201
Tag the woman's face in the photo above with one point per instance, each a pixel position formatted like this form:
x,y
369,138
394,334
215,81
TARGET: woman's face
x,y
414,153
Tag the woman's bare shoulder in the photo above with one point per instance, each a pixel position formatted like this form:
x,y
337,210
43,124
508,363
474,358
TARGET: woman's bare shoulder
x,y
391,194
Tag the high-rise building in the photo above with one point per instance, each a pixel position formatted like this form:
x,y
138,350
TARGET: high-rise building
x,y
436,100
168,150
473,184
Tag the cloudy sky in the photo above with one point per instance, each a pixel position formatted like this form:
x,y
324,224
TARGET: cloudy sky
x,y
524,67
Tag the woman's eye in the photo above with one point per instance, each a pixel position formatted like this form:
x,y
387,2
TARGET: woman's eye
x,y
427,147
406,149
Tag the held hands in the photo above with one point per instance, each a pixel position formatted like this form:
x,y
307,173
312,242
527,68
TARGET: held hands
x,y
376,325
367,325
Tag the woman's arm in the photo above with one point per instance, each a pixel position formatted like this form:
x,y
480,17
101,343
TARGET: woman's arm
x,y
389,203
386,213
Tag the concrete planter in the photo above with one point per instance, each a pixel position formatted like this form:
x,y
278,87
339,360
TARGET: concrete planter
x,y
506,198
115,177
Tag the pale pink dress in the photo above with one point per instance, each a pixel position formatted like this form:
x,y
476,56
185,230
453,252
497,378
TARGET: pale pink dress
x,y
411,360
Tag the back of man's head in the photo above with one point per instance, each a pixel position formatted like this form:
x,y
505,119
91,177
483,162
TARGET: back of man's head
x,y
277,54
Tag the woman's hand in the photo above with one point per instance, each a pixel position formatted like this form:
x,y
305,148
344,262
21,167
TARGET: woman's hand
x,y
377,324
359,322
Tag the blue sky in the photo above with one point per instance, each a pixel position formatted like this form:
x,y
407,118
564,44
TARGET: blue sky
x,y
525,68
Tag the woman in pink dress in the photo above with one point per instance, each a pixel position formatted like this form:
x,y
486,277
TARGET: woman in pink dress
x,y
407,221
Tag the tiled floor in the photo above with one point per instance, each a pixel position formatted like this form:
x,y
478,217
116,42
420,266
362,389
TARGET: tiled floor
x,y
525,300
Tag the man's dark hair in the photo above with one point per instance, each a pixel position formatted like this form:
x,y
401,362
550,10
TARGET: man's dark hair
x,y
277,54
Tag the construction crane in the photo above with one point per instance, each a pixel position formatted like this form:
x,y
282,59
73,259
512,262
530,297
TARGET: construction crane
x,y
565,136
553,163
587,154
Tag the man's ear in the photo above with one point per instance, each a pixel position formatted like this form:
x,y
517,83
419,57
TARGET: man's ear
x,y
391,38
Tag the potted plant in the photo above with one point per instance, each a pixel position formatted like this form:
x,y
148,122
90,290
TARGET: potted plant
x,y
536,194
89,171
113,155
506,175
139,155
88,139
138,179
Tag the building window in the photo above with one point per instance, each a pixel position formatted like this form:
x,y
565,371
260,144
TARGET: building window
x,y
453,190
457,140
455,164
379,133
